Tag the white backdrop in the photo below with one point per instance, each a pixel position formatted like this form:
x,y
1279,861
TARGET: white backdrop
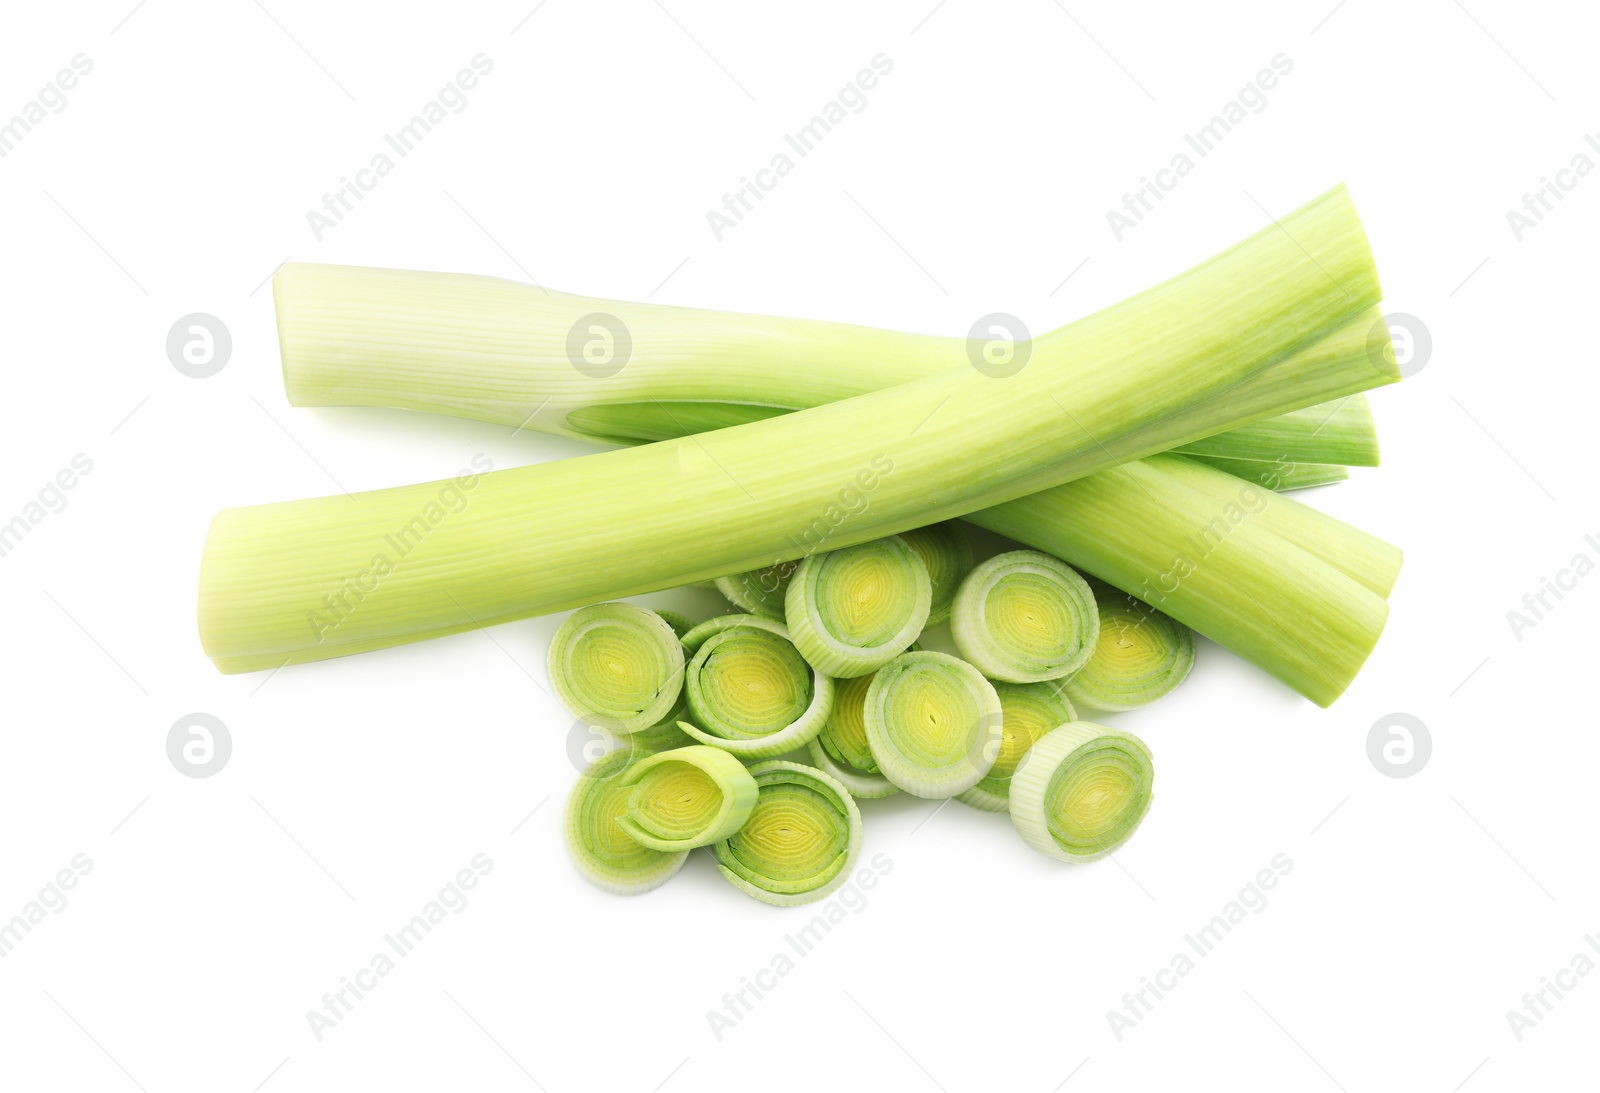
x,y
174,169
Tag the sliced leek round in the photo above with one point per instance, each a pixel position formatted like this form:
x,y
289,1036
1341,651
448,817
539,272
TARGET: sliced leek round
x,y
800,840
1027,712
841,747
698,636
603,852
933,724
750,692
1081,791
1140,655
686,797
680,623
947,552
1024,617
851,611
617,666
760,591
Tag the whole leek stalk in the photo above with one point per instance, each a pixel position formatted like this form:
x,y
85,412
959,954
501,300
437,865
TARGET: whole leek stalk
x,y
310,579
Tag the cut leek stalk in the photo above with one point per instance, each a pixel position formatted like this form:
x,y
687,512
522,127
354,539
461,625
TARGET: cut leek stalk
x,y
841,748
1025,617
1027,712
800,840
751,693
703,632
1279,475
933,724
1140,656
760,591
686,797
947,552
603,852
854,610
1340,432
1081,791
617,666
312,579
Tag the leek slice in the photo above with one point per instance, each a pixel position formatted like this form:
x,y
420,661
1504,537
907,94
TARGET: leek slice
x,y
854,610
1081,791
617,666
701,633
947,552
1279,476
686,797
1024,617
1338,432
933,723
841,748
1141,655
1027,712
602,851
760,591
751,692
800,840
680,623
311,579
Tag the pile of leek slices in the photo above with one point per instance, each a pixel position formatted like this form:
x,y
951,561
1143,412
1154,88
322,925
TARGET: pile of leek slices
x,y
754,734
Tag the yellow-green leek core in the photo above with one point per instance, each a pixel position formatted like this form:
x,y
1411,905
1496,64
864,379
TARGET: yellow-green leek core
x,y
933,724
841,747
1027,712
1140,656
1081,791
602,851
617,666
947,552
800,840
686,797
1024,617
854,610
750,691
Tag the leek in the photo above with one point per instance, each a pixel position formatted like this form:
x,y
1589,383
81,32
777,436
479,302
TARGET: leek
x,y
1027,712
933,724
307,580
760,592
617,666
686,797
602,851
1140,656
751,693
1025,617
947,553
800,840
854,610
1339,432
1081,791
1278,475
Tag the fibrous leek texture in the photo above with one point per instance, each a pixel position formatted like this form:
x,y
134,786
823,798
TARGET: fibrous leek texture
x,y
311,579
1337,432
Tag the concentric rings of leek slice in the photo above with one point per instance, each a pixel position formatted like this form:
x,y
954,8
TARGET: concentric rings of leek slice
x,y
617,666
841,748
1025,617
750,692
1027,712
686,797
605,854
800,840
933,724
1081,791
1140,655
851,611
947,553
